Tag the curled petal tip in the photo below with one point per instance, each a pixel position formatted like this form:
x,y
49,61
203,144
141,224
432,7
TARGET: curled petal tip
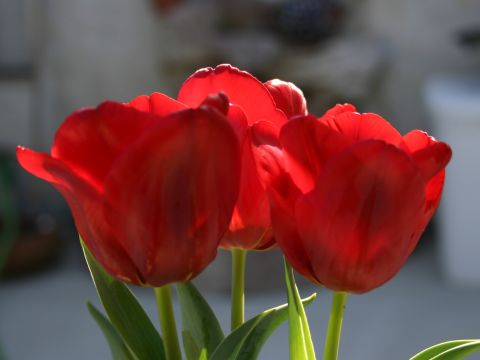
x,y
217,101
288,97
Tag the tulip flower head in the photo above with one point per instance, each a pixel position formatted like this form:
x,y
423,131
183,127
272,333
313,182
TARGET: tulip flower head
x,y
257,111
354,196
151,184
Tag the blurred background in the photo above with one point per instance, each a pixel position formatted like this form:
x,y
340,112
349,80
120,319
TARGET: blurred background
x,y
415,62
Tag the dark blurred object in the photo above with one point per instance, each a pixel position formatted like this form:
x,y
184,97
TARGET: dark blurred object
x,y
241,15
37,245
470,38
164,6
27,241
16,72
8,213
307,22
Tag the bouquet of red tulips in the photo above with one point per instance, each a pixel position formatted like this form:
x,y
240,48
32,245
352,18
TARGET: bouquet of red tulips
x,y
157,185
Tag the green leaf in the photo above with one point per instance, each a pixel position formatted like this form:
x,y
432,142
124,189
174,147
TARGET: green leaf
x,y
300,340
245,342
2,354
435,350
118,348
460,352
450,350
201,331
125,313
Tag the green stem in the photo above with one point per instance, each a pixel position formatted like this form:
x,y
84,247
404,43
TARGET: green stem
x,y
332,342
167,322
238,288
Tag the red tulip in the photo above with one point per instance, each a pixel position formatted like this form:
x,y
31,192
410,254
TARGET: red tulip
x,y
354,196
151,185
257,111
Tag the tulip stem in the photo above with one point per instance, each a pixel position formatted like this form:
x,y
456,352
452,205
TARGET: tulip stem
x,y
332,342
238,288
167,322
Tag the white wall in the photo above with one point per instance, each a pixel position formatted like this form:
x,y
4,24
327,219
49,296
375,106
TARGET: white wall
x,y
94,50
422,38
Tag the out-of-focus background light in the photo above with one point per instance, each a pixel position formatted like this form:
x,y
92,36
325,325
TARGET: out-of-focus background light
x,y
415,62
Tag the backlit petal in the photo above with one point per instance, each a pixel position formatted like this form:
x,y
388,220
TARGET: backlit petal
x,y
90,140
358,127
157,104
308,144
288,97
283,196
430,155
251,216
175,190
86,206
360,223
240,87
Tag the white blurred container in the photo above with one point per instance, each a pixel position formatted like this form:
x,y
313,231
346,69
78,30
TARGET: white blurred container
x,y
454,105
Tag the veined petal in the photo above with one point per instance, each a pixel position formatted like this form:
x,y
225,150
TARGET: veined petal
x,y
360,223
308,144
240,87
431,158
283,195
251,215
90,140
358,127
86,205
180,196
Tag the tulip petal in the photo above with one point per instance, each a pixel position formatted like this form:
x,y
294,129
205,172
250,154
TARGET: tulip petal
x,y
265,133
90,140
251,216
308,144
267,152
157,104
358,127
240,87
339,109
250,227
360,223
85,203
431,158
288,97
238,120
180,196
430,155
283,195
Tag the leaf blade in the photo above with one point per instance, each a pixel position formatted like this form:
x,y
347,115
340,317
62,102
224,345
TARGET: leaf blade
x,y
432,351
264,329
201,332
245,342
300,340
125,313
117,346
